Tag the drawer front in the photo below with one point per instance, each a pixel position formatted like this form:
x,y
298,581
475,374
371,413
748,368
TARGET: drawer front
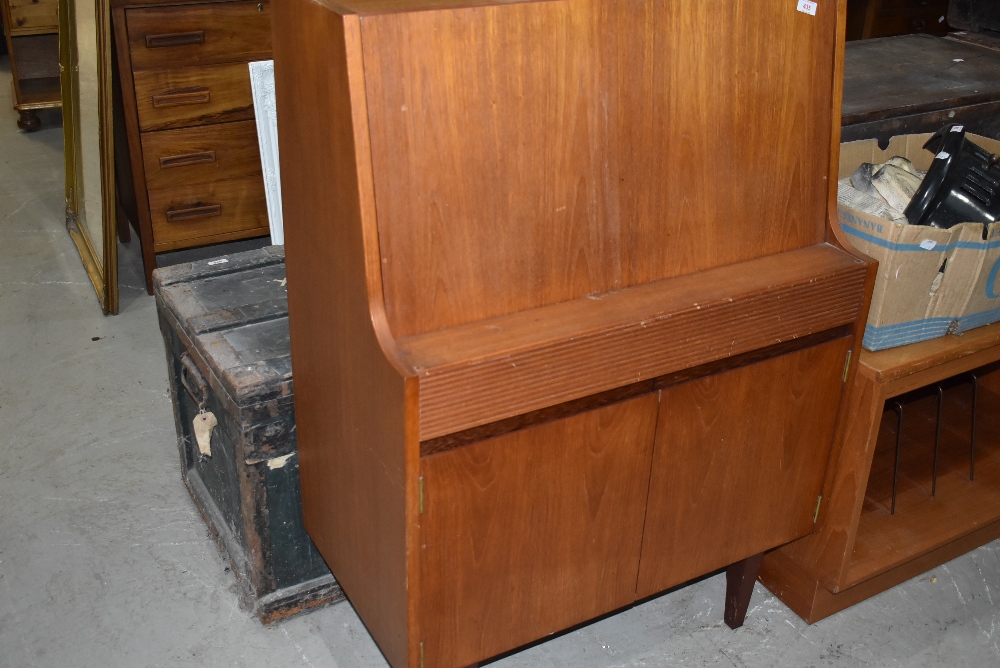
x,y
192,215
33,14
182,36
193,96
201,155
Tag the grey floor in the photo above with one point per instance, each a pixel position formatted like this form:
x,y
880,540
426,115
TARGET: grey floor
x,y
105,562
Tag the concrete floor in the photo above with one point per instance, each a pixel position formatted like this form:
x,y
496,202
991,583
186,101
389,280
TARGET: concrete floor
x,y
105,562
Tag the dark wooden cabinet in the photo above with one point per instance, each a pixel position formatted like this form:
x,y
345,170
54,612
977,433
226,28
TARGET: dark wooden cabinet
x,y
570,322
918,83
189,119
884,18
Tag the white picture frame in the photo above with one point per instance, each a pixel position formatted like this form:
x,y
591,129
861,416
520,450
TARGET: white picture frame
x,y
265,111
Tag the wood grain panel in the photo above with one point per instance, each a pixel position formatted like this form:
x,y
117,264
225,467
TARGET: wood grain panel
x,y
357,440
480,373
774,419
193,96
229,32
241,207
529,533
201,155
720,138
558,160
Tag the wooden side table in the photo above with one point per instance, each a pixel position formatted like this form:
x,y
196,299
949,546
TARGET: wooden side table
x,y
862,548
32,29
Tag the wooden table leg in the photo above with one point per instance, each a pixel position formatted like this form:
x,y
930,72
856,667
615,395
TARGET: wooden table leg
x,y
740,578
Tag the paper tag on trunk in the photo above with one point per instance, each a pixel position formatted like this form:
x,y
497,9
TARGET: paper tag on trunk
x,y
204,423
807,7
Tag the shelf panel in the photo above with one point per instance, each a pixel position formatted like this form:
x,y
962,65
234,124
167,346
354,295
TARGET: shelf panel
x,y
38,94
921,523
36,57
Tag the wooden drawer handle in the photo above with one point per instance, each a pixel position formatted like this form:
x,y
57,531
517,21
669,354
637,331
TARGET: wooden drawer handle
x,y
175,39
182,97
187,159
190,213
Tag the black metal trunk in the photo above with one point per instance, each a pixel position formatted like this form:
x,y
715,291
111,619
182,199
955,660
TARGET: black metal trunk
x,y
225,327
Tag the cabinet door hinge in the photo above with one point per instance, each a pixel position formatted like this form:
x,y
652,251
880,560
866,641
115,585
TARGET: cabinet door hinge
x,y
421,496
847,365
819,500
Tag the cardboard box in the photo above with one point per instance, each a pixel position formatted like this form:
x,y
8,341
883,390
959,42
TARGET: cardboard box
x,y
930,282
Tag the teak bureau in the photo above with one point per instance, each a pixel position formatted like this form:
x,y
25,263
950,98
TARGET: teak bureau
x,y
569,321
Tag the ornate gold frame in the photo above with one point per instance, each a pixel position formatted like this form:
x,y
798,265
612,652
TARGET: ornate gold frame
x,y
103,275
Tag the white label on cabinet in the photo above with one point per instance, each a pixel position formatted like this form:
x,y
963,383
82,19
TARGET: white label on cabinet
x,y
807,7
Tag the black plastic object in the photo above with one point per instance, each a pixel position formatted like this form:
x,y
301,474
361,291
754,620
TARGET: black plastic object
x,y
962,185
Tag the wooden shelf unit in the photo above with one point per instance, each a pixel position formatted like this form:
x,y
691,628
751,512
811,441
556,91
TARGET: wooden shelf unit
x,y
861,547
32,34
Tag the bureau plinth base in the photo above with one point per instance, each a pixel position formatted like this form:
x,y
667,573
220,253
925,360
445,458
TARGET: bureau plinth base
x,y
811,601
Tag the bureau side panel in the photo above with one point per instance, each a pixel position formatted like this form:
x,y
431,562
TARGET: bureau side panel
x,y
349,400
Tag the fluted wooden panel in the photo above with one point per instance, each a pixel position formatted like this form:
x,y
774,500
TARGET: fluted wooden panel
x,y
495,369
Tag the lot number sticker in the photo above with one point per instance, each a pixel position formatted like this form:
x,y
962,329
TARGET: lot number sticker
x,y
807,7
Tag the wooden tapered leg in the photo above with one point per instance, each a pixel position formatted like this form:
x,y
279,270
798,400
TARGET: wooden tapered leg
x,y
740,578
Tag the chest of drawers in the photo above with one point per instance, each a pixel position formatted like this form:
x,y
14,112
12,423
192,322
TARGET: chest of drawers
x,y
32,33
192,139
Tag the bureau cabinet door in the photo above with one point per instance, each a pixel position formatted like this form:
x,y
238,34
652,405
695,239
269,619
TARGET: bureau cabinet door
x,y
528,533
738,463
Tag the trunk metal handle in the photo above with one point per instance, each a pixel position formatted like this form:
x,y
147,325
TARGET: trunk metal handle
x,y
193,381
